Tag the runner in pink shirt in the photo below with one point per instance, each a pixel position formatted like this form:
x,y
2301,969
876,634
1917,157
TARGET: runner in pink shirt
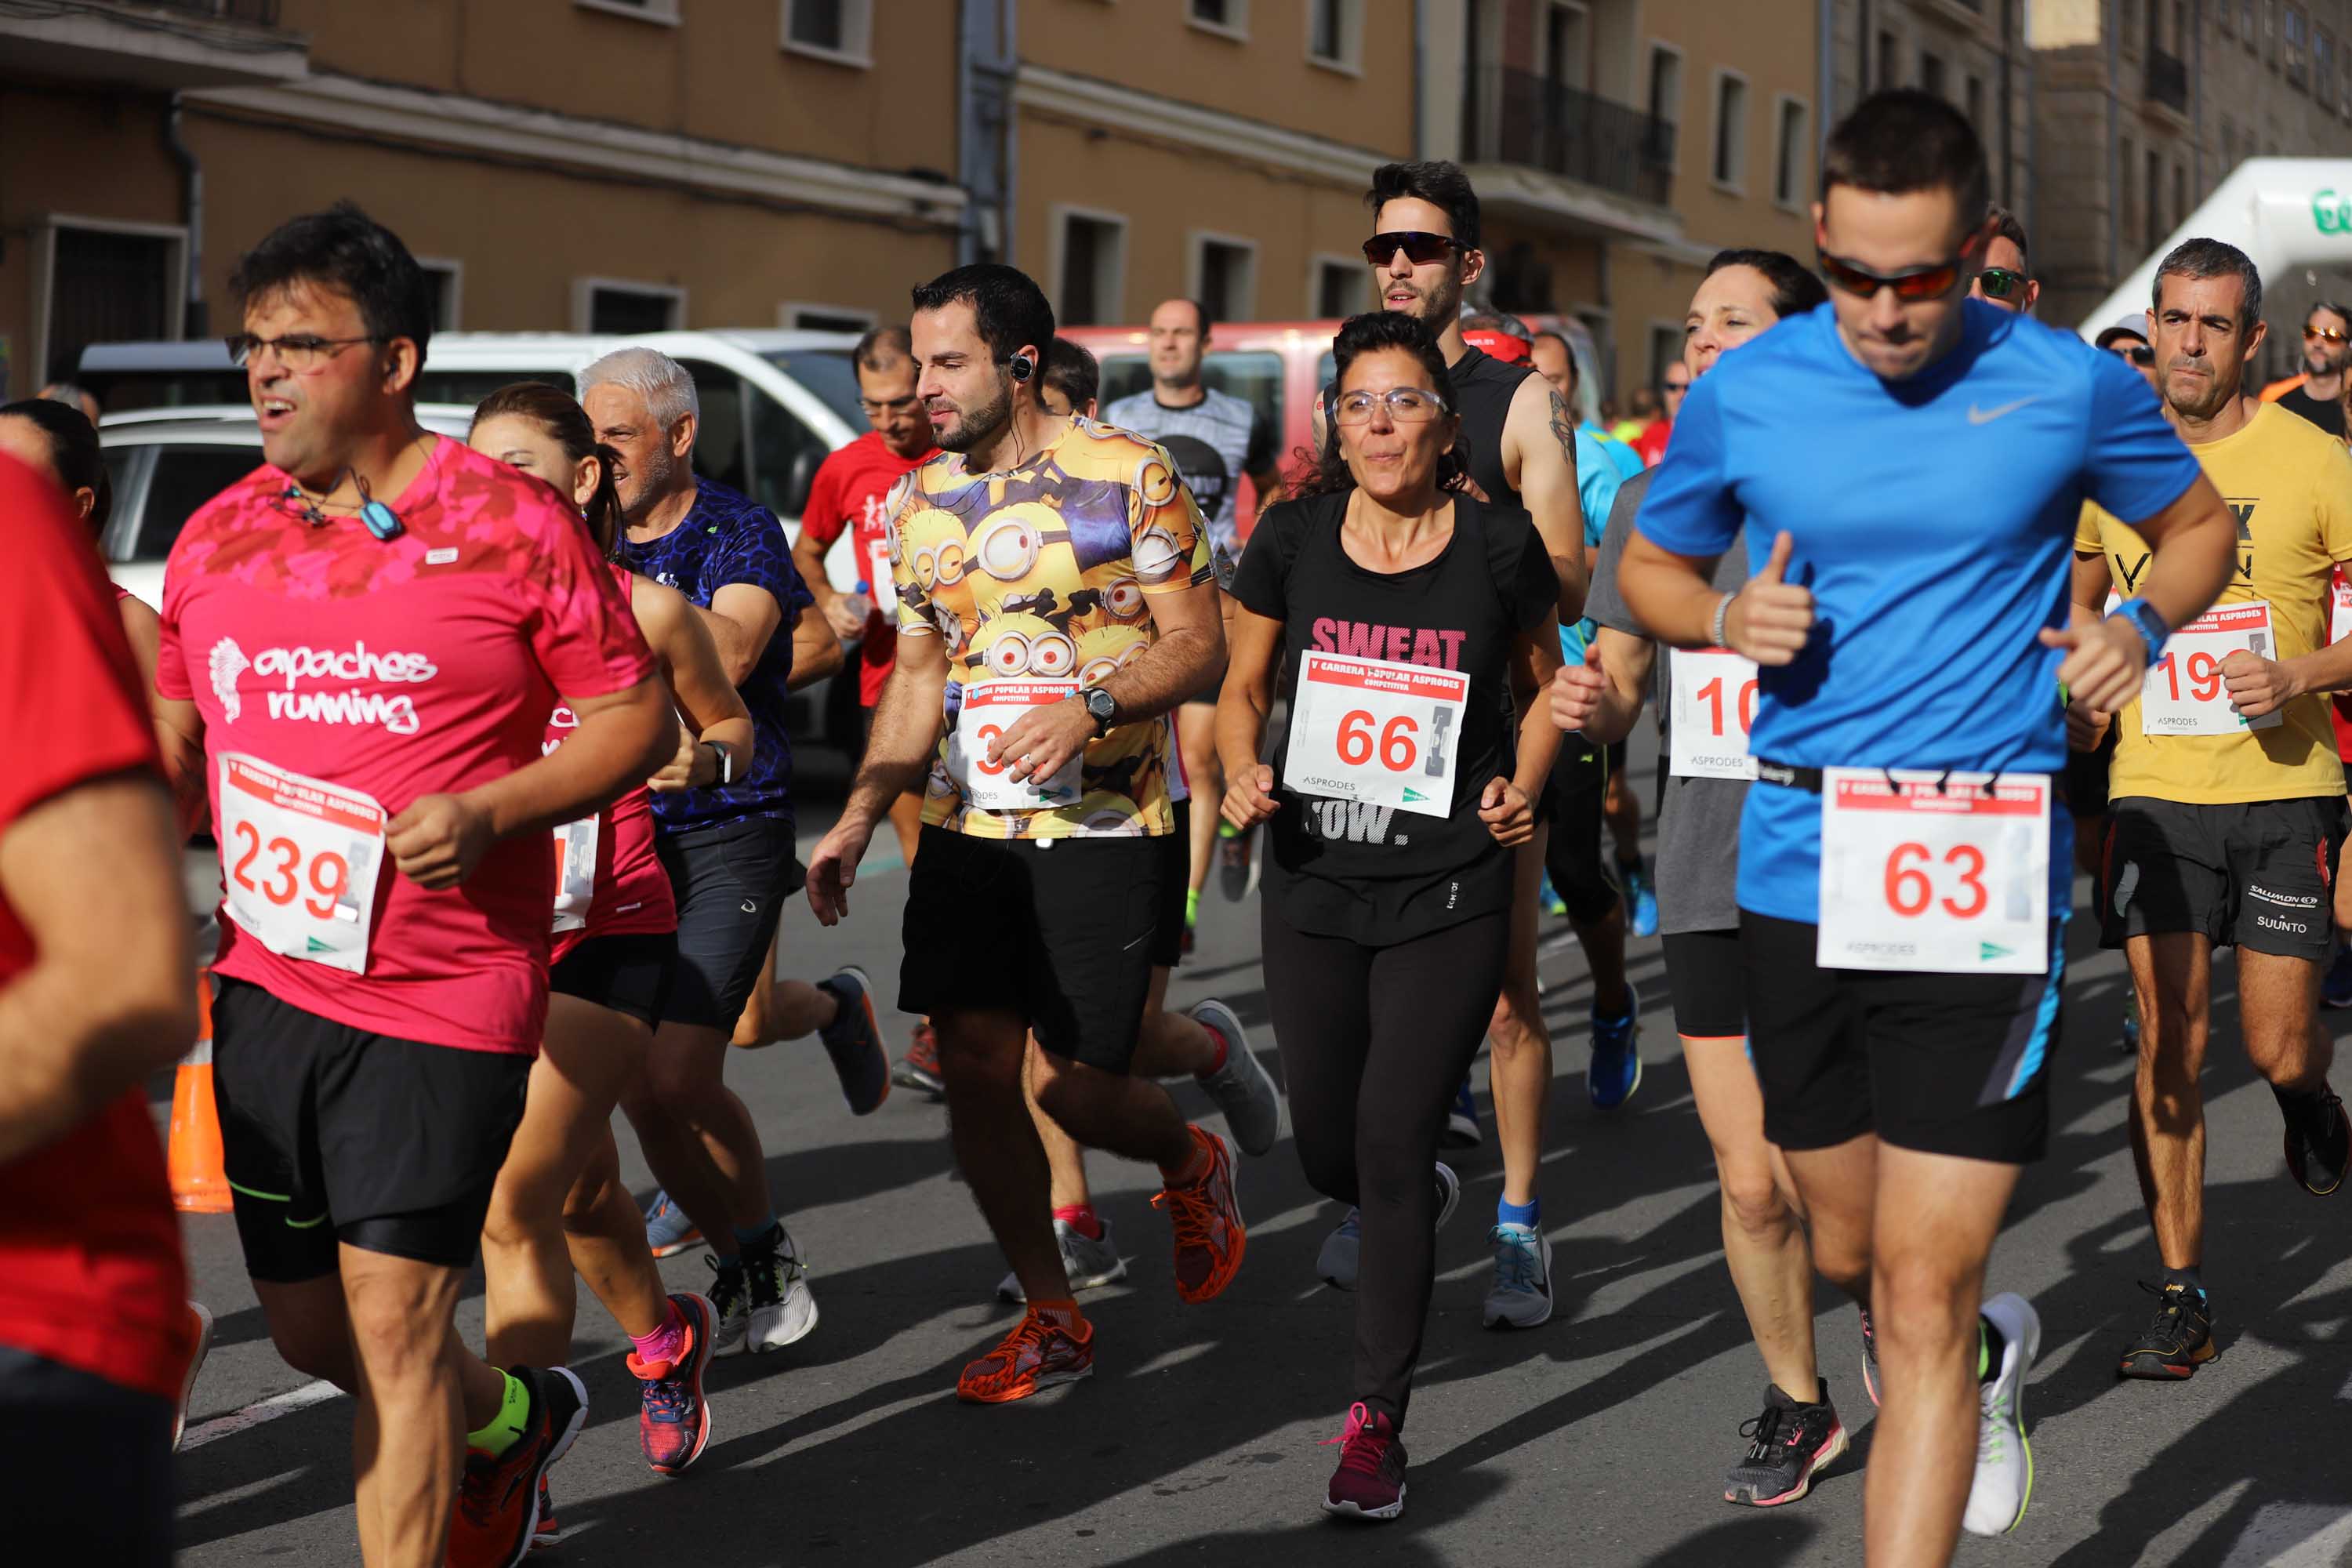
x,y
362,643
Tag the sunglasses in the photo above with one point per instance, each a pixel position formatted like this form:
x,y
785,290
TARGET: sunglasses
x,y
2138,353
1919,283
2328,334
1999,282
1420,247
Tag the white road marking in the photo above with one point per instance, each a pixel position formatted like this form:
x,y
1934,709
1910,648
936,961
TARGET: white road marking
x,y
2293,1535
261,1410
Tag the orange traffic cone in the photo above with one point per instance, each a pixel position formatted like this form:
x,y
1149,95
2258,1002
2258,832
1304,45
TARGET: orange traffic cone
x,y
198,1185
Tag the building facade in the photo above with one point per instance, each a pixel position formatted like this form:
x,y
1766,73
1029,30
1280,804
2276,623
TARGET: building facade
x,y
1971,53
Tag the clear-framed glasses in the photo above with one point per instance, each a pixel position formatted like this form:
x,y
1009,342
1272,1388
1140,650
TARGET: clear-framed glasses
x,y
1406,406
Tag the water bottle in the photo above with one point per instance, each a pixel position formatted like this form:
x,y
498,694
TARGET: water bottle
x,y
862,601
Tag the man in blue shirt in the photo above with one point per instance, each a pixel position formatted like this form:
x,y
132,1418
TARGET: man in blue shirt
x,y
1907,467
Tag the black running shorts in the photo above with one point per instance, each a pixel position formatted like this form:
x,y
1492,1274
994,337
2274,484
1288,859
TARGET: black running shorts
x,y
632,973
1946,1064
2086,776
1572,801
95,1455
731,883
2255,876
333,1134
1710,990
1061,933
1175,881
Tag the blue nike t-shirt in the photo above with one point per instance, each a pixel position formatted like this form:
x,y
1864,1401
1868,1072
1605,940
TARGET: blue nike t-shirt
x,y
728,537
1933,518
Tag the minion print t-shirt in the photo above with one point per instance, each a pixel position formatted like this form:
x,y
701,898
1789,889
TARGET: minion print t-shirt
x,y
1042,571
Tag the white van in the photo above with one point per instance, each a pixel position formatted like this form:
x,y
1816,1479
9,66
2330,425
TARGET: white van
x,y
774,403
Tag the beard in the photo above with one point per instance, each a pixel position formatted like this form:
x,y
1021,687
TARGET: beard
x,y
646,482
2215,396
977,426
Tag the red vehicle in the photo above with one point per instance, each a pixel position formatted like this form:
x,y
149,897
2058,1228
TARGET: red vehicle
x,y
1279,366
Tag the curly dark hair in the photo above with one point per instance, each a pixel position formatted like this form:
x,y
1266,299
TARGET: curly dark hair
x,y
1326,473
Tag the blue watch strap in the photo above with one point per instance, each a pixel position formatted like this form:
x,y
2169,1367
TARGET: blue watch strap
x,y
2145,620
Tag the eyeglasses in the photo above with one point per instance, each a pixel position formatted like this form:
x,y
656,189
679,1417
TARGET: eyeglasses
x,y
1919,283
1999,282
302,353
2138,353
1420,247
1673,388
1406,406
2328,334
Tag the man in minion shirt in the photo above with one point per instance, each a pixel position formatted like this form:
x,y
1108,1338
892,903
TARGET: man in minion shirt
x,y
1054,602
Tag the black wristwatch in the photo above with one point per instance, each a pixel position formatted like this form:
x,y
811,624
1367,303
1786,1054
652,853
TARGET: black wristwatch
x,y
725,760
1102,708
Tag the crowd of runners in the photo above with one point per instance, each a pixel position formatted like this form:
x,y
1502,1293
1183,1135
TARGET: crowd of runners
x,y
1929,600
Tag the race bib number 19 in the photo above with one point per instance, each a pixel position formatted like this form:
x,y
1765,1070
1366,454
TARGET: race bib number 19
x,y
1953,881
1714,695
1382,733
299,860
2184,692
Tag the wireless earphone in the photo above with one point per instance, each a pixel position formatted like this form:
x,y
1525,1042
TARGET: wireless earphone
x,y
1023,367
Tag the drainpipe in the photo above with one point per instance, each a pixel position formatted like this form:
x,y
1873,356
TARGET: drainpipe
x,y
193,323
2008,143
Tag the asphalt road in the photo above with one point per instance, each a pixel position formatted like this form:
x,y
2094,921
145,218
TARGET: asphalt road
x,y
1600,1439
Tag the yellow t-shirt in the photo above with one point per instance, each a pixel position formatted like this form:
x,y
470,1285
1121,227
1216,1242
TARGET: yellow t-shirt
x,y
2289,484
1043,571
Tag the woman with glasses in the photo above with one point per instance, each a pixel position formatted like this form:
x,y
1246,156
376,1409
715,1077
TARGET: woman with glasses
x,y
1411,629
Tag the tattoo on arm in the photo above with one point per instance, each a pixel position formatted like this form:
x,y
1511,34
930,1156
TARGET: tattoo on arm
x,y
1563,430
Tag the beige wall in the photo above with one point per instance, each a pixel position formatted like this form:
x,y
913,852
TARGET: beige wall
x,y
524,235
1149,45
1775,60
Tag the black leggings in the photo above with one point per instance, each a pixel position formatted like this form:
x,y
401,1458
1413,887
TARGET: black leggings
x,y
1374,1042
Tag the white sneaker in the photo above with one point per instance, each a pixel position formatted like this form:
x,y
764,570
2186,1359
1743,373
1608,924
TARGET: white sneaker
x,y
1242,1089
203,1320
1336,1264
2004,1479
1521,1297
784,1311
1090,1262
731,1306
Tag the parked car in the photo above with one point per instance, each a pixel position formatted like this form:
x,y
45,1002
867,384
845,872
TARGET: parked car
x,y
165,463
1279,366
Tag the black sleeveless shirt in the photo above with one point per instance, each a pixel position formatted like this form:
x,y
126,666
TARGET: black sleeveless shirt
x,y
1483,389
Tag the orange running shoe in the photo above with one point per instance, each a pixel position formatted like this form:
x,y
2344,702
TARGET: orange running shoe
x,y
920,1068
1207,1219
1037,1355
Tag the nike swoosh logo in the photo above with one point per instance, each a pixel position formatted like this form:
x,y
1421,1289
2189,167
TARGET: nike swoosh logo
x,y
1987,415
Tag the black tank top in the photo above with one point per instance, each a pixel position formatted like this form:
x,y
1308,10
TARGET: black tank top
x,y
1484,387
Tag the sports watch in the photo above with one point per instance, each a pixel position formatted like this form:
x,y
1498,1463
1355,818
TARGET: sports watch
x,y
1102,708
726,760
2143,619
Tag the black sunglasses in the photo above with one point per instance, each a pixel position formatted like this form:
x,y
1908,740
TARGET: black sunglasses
x,y
1999,282
2138,353
1919,283
1420,247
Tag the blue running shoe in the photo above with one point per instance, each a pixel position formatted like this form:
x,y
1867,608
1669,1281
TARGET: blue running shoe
x,y
1616,1070
2131,1030
1640,897
1547,898
1462,1122
668,1230
2336,991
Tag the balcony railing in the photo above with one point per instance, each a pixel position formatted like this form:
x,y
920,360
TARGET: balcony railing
x,y
2168,81
254,13
1518,117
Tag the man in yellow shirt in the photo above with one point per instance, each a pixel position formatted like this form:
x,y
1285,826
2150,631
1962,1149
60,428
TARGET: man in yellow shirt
x,y
2228,799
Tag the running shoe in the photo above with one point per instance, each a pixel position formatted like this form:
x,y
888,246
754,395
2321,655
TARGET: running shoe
x,y
1036,1355
920,1068
499,1498
668,1230
673,1422
784,1311
2318,1138
1462,1122
1335,1265
1521,1296
1089,1261
1786,1446
202,1317
1236,862
1869,1360
1242,1087
1640,897
2336,989
1449,1193
854,1041
2178,1338
1207,1221
730,1298
1369,1481
1616,1068
1547,898
2004,1479
546,1532
2131,1030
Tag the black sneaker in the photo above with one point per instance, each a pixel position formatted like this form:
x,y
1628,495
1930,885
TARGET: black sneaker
x,y
2318,1138
1785,1444
854,1041
2177,1339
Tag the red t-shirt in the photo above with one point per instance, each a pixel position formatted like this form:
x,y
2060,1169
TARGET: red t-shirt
x,y
631,895
385,672
90,1273
851,490
1651,443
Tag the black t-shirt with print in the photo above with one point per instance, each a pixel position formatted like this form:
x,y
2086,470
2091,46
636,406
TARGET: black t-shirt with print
x,y
1373,874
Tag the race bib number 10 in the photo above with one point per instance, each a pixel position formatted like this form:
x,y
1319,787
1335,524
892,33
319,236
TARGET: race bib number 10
x,y
1367,730
299,860
1953,881
989,709
2184,692
1714,695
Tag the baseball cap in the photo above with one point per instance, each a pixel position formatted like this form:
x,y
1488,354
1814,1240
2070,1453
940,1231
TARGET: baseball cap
x,y
2131,326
